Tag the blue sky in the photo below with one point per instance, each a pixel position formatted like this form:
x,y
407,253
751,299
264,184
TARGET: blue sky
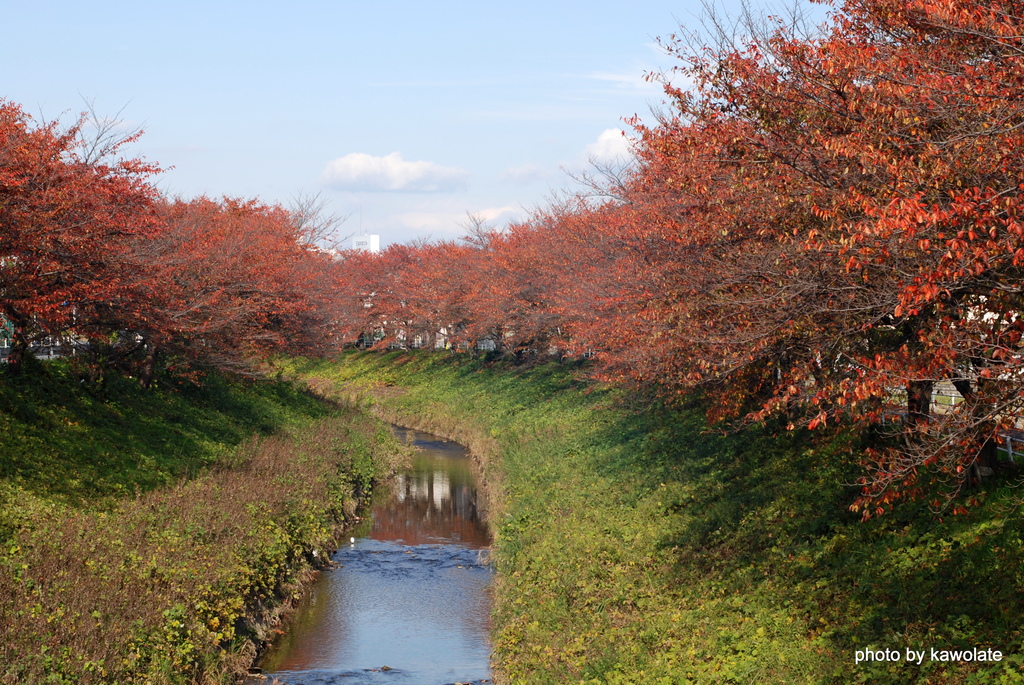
x,y
404,115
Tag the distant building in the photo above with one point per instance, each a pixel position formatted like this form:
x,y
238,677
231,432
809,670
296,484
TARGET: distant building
x,y
368,243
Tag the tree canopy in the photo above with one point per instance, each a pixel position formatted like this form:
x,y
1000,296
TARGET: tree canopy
x,y
823,226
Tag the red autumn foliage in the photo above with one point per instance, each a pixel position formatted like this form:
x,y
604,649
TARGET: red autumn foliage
x,y
67,223
231,279
91,253
823,226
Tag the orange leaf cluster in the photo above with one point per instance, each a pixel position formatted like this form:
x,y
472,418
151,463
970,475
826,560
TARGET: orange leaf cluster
x,y
94,259
828,227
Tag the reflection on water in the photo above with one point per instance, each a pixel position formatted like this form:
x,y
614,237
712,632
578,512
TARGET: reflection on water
x,y
435,500
409,603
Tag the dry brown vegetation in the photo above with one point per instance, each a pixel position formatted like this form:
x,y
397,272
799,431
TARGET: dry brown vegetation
x,y
182,584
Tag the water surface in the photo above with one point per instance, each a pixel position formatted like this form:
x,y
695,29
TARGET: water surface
x,y
410,601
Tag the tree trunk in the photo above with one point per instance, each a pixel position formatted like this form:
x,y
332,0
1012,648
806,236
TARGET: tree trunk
x,y
19,348
919,401
19,342
963,386
988,456
148,366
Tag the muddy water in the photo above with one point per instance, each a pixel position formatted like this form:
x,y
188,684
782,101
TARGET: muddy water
x,y
409,603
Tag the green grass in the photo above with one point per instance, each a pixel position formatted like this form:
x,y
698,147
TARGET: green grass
x,y
635,546
70,440
154,536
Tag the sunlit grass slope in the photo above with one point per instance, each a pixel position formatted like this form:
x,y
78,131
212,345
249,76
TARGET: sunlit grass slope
x,y
64,437
635,546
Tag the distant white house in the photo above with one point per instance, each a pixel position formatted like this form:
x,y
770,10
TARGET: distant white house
x,y
367,243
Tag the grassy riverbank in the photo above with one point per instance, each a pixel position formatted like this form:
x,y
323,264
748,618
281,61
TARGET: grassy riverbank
x,y
635,547
153,536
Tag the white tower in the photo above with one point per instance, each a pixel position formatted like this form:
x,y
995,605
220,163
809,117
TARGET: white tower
x,y
367,243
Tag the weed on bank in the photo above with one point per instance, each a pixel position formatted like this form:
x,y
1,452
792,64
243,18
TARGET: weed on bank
x,y
155,537
636,546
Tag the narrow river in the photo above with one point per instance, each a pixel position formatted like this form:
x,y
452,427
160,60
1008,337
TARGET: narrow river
x,y
410,601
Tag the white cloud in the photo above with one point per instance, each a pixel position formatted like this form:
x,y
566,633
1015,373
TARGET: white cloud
x,y
611,146
492,213
359,171
526,173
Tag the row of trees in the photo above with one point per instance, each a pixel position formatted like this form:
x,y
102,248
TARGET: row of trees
x,y
93,255
824,225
